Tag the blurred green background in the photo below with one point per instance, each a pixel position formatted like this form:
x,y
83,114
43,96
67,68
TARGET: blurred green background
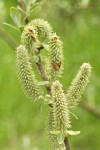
x,y
23,122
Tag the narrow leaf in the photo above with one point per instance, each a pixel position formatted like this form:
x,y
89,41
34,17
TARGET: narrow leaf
x,y
43,83
74,115
70,132
27,2
55,132
36,58
9,25
20,9
33,6
60,138
16,16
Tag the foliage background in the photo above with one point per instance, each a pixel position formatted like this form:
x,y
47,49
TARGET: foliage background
x,y
23,122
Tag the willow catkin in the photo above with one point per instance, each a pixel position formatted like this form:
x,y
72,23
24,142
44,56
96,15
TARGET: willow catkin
x,y
60,110
53,137
78,85
43,29
26,73
56,56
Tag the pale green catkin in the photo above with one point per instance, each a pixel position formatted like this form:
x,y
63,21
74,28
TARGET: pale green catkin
x,y
78,85
52,137
35,33
26,74
56,56
60,109
43,29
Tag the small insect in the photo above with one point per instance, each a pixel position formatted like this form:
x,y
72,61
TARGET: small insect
x,y
57,66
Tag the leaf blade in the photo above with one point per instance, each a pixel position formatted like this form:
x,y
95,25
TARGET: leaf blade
x,y
16,16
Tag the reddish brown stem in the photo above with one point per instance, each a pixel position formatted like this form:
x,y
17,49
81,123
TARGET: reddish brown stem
x,y
67,144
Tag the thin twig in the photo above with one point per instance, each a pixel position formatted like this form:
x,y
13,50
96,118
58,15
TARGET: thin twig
x,y
8,38
67,144
41,69
43,73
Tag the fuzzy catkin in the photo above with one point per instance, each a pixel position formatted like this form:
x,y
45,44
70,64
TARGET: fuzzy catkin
x,y
26,74
52,137
43,29
35,33
60,110
56,56
78,85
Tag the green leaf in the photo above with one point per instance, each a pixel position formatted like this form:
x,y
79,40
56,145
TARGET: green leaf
x,y
70,132
47,99
34,5
36,58
9,25
27,2
46,46
47,95
74,115
55,132
43,83
41,97
16,16
60,138
31,5
20,9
